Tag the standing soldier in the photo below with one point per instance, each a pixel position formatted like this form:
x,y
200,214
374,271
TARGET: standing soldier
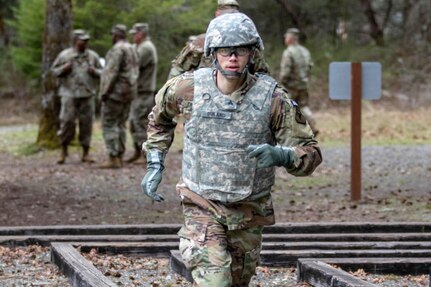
x,y
239,127
192,56
142,104
118,87
79,70
295,70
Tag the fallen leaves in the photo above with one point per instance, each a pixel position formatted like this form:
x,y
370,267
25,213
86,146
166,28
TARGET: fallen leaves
x,y
29,266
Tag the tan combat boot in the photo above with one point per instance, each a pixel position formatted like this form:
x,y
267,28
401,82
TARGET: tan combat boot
x,y
85,155
112,162
63,155
135,156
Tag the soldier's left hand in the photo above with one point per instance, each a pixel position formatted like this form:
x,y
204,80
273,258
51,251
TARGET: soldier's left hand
x,y
91,70
153,177
269,156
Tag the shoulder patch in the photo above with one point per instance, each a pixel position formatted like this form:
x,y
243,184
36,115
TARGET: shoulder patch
x,y
299,117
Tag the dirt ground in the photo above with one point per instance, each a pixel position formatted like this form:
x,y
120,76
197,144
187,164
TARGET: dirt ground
x,y
34,190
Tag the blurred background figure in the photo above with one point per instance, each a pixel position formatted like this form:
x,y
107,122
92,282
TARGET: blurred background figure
x,y
295,68
143,103
79,70
118,87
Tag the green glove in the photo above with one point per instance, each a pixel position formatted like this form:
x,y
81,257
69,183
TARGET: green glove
x,y
268,155
153,177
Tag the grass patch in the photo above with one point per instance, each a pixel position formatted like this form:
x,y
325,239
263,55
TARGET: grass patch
x,y
380,126
19,140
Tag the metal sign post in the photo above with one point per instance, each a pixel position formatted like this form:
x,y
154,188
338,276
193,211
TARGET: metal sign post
x,y
355,81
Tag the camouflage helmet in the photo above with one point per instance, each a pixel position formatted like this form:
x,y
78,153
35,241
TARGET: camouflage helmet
x,y
231,30
81,34
227,3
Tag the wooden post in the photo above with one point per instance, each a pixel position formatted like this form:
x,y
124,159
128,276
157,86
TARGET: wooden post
x,y
356,86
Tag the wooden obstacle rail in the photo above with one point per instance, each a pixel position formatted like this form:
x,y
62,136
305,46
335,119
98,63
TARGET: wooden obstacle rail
x,y
375,247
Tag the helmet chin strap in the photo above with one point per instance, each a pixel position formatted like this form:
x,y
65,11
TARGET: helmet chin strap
x,y
231,73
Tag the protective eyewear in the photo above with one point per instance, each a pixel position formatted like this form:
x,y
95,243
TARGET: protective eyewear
x,y
228,51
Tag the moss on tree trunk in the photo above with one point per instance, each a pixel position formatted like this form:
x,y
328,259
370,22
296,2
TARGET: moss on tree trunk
x,y
57,36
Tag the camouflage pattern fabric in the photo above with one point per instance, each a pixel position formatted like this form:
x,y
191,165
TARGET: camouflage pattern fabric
x,y
217,257
190,58
147,61
140,109
77,82
295,70
231,30
76,108
295,67
114,117
218,238
118,86
77,90
286,121
142,104
119,78
215,163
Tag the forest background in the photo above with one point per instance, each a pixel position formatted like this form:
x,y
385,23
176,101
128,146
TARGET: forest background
x,y
395,33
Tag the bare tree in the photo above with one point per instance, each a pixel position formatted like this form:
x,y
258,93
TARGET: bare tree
x,y
291,11
376,30
57,36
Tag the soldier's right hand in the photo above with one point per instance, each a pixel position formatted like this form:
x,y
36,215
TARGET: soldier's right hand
x,y
153,177
68,67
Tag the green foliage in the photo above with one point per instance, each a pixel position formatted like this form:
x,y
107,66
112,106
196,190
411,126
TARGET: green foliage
x,y
29,25
171,23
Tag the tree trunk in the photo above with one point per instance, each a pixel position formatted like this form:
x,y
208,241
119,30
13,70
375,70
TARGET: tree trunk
x,y
291,12
57,36
376,31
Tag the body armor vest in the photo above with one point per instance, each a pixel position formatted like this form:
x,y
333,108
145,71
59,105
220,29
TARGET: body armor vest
x,y
215,163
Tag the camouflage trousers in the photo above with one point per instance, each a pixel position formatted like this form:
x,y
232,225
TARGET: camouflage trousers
x,y
215,255
72,109
302,98
139,110
114,119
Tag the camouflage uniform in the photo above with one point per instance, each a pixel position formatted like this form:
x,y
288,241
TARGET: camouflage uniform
x,y
142,104
78,88
118,87
221,238
295,67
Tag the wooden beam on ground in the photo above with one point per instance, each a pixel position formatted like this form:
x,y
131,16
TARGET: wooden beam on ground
x,y
153,249
80,271
285,239
165,247
45,240
320,274
289,257
391,265
177,265
307,228
146,229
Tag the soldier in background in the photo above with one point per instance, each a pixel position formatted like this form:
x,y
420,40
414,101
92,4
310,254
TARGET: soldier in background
x,y
192,56
143,103
239,127
79,70
118,87
295,67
